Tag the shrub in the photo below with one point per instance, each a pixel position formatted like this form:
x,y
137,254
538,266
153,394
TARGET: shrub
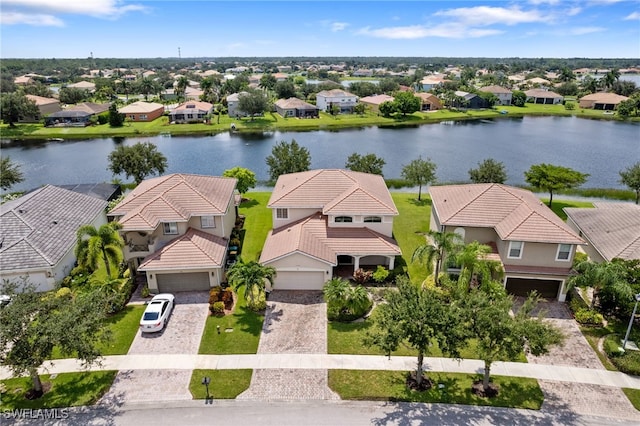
x,y
63,292
145,291
215,295
216,308
570,106
380,274
588,317
234,242
103,118
577,303
361,276
612,346
258,305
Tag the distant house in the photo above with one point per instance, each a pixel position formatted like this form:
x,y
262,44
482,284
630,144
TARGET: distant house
x,y
23,80
601,101
470,101
190,112
538,96
503,94
142,111
294,107
431,81
76,115
176,230
232,105
430,102
45,106
38,233
612,230
85,85
363,73
537,81
373,102
534,246
326,99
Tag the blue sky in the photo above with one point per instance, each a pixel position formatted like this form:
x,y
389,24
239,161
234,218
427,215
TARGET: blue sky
x,y
522,28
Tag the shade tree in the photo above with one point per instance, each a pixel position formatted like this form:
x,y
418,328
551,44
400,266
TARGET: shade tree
x,y
420,172
138,161
551,178
488,171
630,176
287,158
367,163
10,173
245,177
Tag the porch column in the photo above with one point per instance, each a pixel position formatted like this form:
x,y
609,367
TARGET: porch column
x,y
392,259
356,263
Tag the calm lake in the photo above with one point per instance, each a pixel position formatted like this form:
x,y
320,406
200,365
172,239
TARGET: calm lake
x,y
600,148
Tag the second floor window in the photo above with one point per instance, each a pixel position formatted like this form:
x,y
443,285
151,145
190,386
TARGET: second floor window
x,y
372,219
343,219
564,252
207,222
282,214
515,249
170,228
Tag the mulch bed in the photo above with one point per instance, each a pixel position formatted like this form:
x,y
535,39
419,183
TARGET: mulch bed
x,y
412,382
490,392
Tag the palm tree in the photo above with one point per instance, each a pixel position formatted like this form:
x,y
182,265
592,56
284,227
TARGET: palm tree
x,y
439,245
475,268
250,275
103,243
147,86
602,276
181,87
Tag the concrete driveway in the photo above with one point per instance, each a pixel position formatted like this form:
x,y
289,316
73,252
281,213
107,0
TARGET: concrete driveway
x,y
181,335
579,398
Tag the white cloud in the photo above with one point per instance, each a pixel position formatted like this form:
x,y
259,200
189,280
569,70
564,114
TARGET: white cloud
x,y
487,15
338,26
538,2
448,30
111,9
573,11
40,20
585,30
635,16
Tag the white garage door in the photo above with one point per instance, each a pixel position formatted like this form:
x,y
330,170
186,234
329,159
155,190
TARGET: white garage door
x,y
171,283
290,280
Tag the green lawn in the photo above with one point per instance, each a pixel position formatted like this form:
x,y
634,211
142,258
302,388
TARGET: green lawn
x,y
245,337
634,396
559,204
225,384
409,227
257,224
272,121
123,325
347,338
66,390
391,386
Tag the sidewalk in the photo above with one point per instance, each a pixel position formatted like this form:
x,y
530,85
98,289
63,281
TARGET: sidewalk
x,y
343,362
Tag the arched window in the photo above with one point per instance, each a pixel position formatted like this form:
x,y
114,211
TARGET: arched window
x,y
372,219
343,219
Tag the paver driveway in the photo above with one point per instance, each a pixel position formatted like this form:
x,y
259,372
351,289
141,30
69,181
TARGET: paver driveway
x,y
295,322
576,352
181,335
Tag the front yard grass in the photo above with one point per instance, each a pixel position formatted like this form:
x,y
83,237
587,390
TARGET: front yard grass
x,y
67,390
225,384
257,224
123,325
634,397
515,392
244,339
409,228
558,205
347,338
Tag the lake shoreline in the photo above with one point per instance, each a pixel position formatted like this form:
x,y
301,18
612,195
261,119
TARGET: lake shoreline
x,y
276,123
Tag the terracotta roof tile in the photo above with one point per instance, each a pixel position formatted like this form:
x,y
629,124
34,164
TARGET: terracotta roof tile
x,y
192,250
312,236
174,198
333,191
515,214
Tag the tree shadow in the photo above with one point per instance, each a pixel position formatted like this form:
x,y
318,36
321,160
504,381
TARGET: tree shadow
x,y
420,203
249,203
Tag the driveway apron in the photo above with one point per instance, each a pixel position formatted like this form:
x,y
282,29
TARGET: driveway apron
x,y
295,323
181,335
576,352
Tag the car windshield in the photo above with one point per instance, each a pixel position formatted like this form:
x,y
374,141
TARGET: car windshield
x,y
150,316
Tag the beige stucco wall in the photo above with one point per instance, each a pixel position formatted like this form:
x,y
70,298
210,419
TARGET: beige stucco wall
x,y
481,235
300,262
294,215
385,227
535,254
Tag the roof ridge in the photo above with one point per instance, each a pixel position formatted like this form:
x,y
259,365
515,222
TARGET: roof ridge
x,y
161,180
462,207
202,249
314,174
206,199
45,257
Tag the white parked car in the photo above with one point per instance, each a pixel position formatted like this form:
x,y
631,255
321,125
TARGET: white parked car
x,y
157,313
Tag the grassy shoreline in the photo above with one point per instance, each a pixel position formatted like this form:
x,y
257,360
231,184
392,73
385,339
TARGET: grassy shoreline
x,y
273,122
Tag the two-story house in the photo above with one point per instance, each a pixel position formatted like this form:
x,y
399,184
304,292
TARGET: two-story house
x,y
504,95
328,223
176,229
534,245
344,100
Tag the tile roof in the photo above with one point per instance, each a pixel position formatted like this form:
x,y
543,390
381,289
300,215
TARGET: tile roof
x,y
539,93
192,250
334,191
335,93
514,213
604,97
612,228
90,107
192,106
377,99
312,236
38,229
41,100
294,103
141,107
495,89
174,198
